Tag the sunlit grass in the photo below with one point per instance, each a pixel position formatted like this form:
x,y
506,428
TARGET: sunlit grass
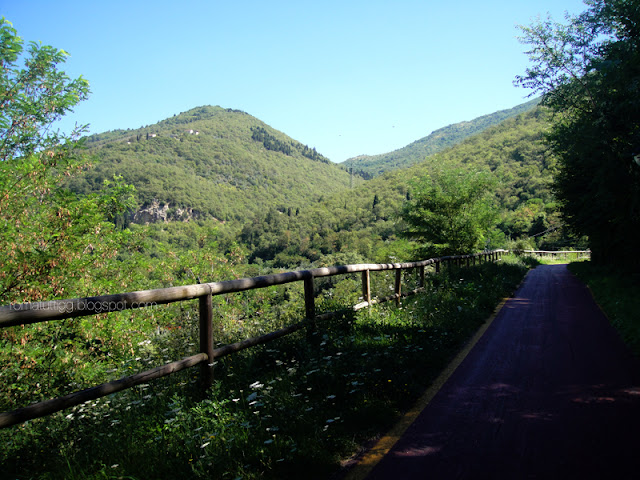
x,y
559,258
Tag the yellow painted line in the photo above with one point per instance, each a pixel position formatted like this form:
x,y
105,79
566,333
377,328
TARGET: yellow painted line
x,y
370,459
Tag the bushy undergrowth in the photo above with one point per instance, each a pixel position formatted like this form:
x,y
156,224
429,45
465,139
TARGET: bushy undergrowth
x,y
292,408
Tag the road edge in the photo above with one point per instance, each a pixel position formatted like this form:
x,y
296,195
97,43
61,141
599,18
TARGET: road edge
x,y
372,457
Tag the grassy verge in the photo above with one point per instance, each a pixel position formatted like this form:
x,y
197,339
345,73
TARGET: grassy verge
x,y
290,409
548,260
617,294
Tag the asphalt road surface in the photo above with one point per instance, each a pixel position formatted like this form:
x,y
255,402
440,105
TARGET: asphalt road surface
x,y
549,391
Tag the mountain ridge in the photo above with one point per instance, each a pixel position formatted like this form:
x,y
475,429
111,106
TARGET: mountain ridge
x,y
369,166
225,164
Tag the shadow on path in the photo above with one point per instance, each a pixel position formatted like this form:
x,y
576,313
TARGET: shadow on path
x,y
548,392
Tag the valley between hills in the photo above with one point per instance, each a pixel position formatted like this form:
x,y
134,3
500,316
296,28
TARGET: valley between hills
x,y
288,205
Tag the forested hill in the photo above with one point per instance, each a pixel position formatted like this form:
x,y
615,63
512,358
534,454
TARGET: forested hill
x,y
372,165
210,162
362,224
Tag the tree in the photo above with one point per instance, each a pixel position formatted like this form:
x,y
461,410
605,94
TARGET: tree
x,y
50,238
588,71
33,97
53,243
451,211
117,200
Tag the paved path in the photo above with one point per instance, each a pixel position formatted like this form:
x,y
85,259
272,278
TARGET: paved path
x,y
549,391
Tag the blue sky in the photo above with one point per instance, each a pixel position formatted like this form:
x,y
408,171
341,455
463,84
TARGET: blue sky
x,y
346,77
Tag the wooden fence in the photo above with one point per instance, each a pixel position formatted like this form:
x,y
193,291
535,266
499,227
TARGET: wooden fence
x,y
566,254
30,313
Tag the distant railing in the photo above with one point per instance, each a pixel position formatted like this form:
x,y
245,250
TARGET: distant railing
x,y
30,313
567,254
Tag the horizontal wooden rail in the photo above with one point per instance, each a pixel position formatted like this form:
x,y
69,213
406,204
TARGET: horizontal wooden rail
x,y
557,252
48,407
29,313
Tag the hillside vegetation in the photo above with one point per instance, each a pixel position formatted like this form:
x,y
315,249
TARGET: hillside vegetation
x,y
210,162
220,195
283,203
365,221
370,166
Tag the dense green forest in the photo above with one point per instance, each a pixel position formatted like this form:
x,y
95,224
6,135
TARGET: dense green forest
x,y
369,166
286,205
210,162
366,220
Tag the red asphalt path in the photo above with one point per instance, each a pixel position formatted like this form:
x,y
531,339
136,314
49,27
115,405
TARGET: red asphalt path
x,y
549,391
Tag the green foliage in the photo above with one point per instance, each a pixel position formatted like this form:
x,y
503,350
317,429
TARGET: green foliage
x,y
33,97
353,221
290,409
450,212
589,71
117,200
49,238
53,243
211,162
52,359
369,166
270,142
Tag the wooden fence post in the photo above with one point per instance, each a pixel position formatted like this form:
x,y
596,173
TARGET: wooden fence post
x,y
366,286
205,308
398,288
310,304
438,266
421,277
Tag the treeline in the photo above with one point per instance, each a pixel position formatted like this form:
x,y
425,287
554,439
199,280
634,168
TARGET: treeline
x,y
270,142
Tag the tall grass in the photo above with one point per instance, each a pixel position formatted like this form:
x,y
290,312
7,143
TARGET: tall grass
x,y
293,408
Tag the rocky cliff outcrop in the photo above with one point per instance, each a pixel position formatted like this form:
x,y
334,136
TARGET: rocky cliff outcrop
x,y
156,212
